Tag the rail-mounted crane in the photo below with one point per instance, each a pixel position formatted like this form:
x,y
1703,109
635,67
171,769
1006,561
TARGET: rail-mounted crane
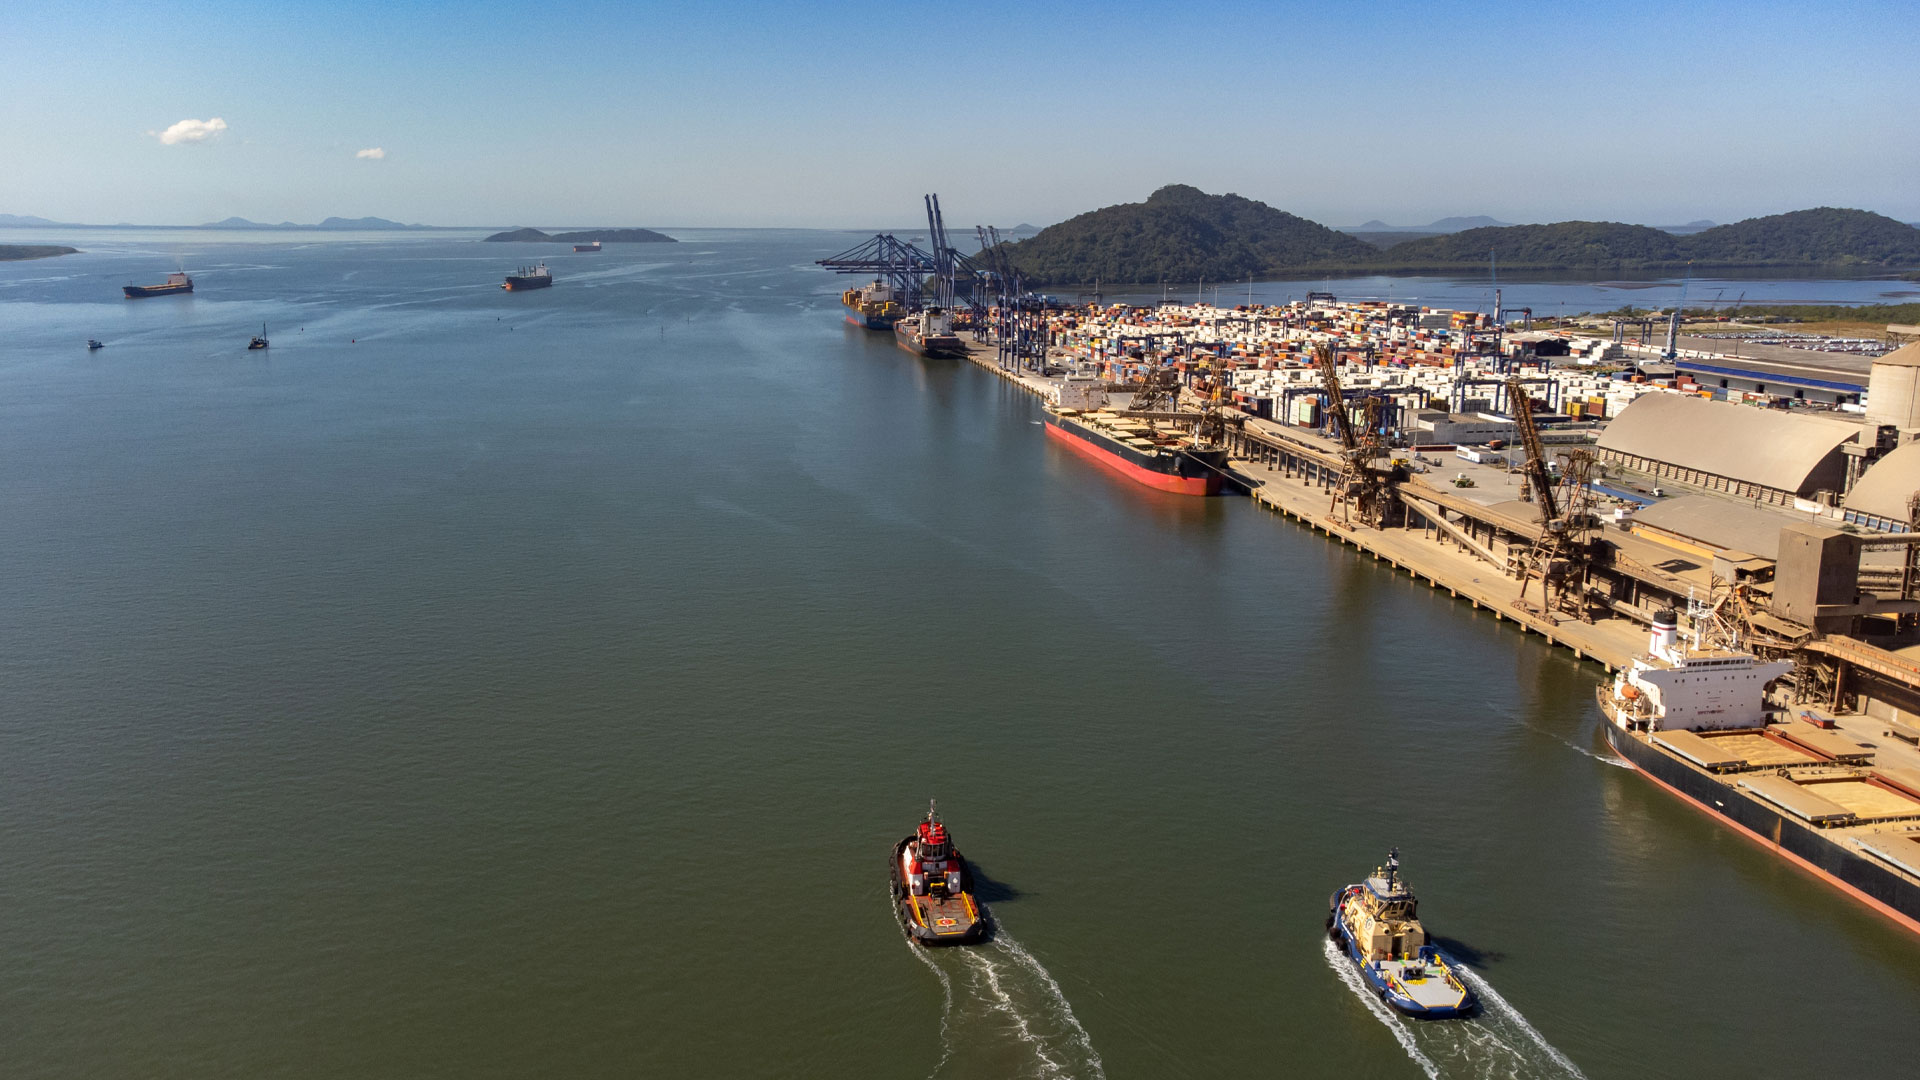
x,y
1563,556
1367,472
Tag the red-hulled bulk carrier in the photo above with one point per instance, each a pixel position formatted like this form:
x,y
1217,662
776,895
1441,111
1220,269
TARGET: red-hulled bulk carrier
x,y
1137,449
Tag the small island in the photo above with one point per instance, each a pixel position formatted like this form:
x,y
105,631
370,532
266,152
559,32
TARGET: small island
x,y
583,236
17,252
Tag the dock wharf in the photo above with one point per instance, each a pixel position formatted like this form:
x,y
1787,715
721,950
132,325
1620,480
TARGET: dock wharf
x,y
1463,546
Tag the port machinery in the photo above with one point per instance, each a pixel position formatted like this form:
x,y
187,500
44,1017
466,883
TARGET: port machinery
x,y
1562,558
984,292
1367,476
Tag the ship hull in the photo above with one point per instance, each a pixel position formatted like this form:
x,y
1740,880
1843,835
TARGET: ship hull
x,y
135,292
1182,473
1852,872
870,322
942,345
519,284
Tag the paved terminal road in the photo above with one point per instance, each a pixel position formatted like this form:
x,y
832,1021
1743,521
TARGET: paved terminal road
x,y
1779,360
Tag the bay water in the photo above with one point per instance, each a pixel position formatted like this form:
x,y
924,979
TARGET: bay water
x,y
486,684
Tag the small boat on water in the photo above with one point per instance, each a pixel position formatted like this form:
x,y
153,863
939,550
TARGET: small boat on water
x,y
933,889
529,277
176,283
95,343
1377,924
260,340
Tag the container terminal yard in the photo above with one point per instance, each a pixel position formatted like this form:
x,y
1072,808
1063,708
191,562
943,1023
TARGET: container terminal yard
x,y
1708,525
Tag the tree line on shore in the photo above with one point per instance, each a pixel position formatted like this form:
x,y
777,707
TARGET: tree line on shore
x,y
1181,234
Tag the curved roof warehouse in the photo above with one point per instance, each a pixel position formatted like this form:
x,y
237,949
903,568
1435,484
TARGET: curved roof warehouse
x,y
1755,453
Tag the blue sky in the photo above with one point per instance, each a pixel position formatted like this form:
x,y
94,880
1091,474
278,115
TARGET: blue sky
x,y
773,113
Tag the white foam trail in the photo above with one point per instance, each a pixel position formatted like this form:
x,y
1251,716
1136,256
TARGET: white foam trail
x,y
1604,759
1003,1002
1063,1011
1381,1012
1494,1004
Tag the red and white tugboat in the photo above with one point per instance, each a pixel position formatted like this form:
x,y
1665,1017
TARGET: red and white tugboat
x,y
932,889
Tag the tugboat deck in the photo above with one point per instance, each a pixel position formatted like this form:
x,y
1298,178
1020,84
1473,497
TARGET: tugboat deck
x,y
945,916
1430,989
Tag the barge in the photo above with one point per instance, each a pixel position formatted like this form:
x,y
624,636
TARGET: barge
x,y
1377,925
1694,720
1140,451
933,888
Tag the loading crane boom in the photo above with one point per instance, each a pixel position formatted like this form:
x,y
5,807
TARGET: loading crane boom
x,y
1566,551
1364,484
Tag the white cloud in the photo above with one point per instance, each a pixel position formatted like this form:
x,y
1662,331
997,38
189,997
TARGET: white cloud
x,y
371,153
191,131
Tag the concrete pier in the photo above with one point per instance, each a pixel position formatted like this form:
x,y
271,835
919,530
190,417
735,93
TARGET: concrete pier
x,y
1290,476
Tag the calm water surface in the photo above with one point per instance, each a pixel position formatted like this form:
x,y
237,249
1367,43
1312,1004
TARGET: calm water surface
x,y
490,685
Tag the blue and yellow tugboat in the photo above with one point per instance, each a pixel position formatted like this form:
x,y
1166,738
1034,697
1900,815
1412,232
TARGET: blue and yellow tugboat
x,y
1377,924
932,889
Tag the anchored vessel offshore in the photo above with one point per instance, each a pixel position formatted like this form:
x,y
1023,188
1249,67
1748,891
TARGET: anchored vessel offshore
x,y
592,247
928,333
872,306
1694,720
933,889
1135,448
529,277
175,284
1377,925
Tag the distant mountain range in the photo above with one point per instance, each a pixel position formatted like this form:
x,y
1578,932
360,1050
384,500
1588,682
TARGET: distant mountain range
x,y
1444,225
1448,225
1183,234
358,224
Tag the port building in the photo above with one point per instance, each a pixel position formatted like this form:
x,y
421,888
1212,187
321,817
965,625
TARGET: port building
x,y
1893,390
1879,501
1763,455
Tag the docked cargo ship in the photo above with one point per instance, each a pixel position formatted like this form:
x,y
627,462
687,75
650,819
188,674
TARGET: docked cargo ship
x,y
928,333
529,277
1139,450
1821,791
932,888
175,284
1377,924
872,306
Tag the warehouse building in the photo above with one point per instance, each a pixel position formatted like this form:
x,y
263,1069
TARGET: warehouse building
x,y
1766,455
1879,500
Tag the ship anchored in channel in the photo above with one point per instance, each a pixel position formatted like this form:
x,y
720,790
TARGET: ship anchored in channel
x,y
529,277
177,284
